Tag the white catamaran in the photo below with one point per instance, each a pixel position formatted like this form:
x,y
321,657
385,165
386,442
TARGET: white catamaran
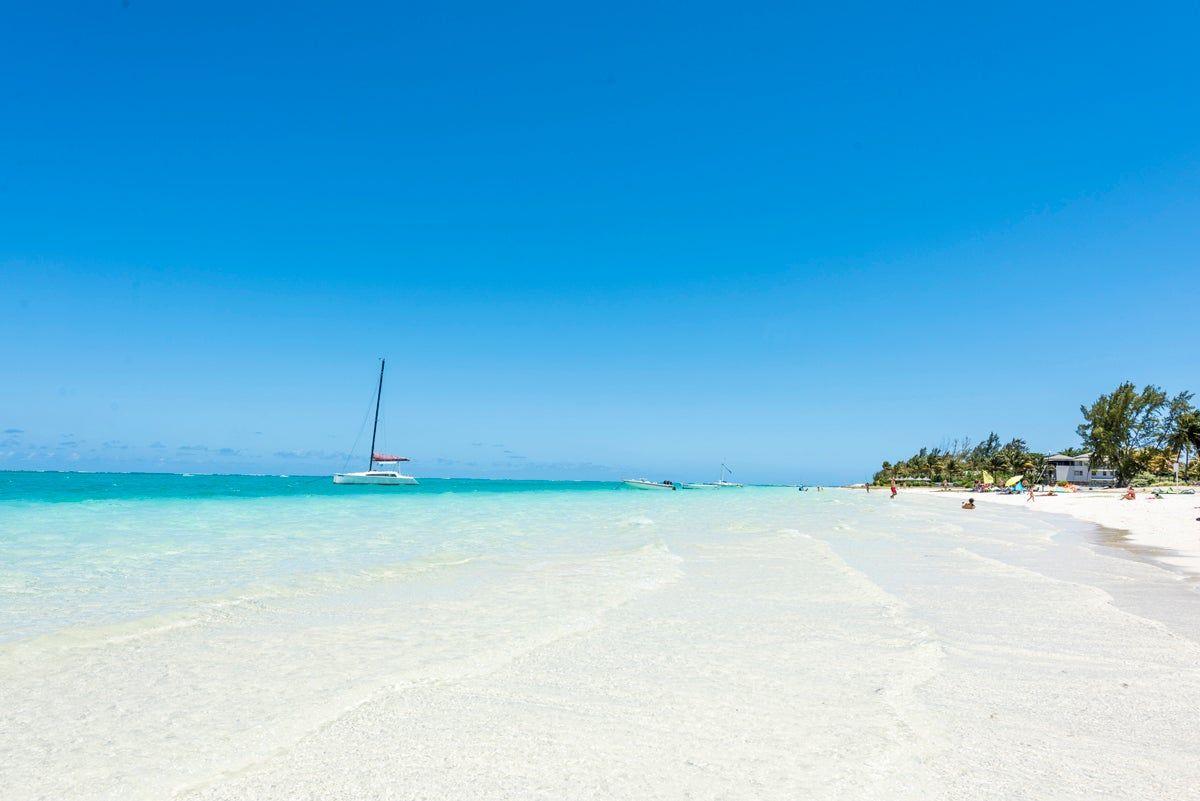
x,y
384,478
719,484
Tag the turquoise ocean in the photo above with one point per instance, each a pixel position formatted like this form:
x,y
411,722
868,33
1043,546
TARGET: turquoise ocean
x,y
81,549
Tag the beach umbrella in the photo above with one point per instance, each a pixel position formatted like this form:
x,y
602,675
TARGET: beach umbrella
x,y
1014,480
987,478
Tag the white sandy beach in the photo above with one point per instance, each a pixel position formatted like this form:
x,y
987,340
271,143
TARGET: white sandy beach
x,y
1164,529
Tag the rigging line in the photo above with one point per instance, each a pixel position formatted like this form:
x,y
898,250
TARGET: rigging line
x,y
383,430
362,427
380,428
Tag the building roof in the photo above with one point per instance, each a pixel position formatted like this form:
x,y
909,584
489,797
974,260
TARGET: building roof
x,y
1062,457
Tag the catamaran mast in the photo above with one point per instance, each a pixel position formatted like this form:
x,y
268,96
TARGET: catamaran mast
x,y
375,428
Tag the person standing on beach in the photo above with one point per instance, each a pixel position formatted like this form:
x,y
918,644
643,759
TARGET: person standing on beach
x,y
1031,495
893,495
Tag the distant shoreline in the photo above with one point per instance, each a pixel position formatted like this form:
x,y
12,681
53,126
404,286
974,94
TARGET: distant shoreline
x,y
1164,530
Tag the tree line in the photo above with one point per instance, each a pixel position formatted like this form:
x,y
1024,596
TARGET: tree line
x,y
1142,435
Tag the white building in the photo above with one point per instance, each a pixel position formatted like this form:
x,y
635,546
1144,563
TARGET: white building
x,y
1078,470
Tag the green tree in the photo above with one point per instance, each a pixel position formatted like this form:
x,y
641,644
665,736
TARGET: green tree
x,y
951,466
1036,467
1118,424
1180,433
982,455
1013,456
1158,461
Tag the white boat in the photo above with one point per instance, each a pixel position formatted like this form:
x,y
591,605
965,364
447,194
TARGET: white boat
x,y
647,484
720,484
383,478
379,478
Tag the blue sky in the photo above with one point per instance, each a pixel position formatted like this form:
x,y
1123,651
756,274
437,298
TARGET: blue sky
x,y
590,241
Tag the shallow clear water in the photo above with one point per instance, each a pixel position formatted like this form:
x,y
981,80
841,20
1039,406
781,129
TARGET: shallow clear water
x,y
268,637
91,548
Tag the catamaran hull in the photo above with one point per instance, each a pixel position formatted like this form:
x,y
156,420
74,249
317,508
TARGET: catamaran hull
x,y
380,481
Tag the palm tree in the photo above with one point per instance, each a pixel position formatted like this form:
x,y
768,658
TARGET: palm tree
x,y
1182,435
951,466
997,464
933,464
1035,467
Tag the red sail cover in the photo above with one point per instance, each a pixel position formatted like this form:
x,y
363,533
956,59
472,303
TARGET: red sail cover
x,y
383,457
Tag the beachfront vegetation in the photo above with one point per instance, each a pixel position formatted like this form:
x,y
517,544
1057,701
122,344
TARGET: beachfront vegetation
x,y
961,462
1181,433
1142,435
1121,424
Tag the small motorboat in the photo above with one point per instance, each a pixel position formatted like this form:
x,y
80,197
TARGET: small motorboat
x,y
700,485
647,484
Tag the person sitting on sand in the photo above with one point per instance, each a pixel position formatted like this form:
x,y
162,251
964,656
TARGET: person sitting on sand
x,y
969,503
1129,495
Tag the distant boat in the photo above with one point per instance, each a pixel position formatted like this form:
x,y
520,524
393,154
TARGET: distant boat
x,y
719,484
380,478
647,484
